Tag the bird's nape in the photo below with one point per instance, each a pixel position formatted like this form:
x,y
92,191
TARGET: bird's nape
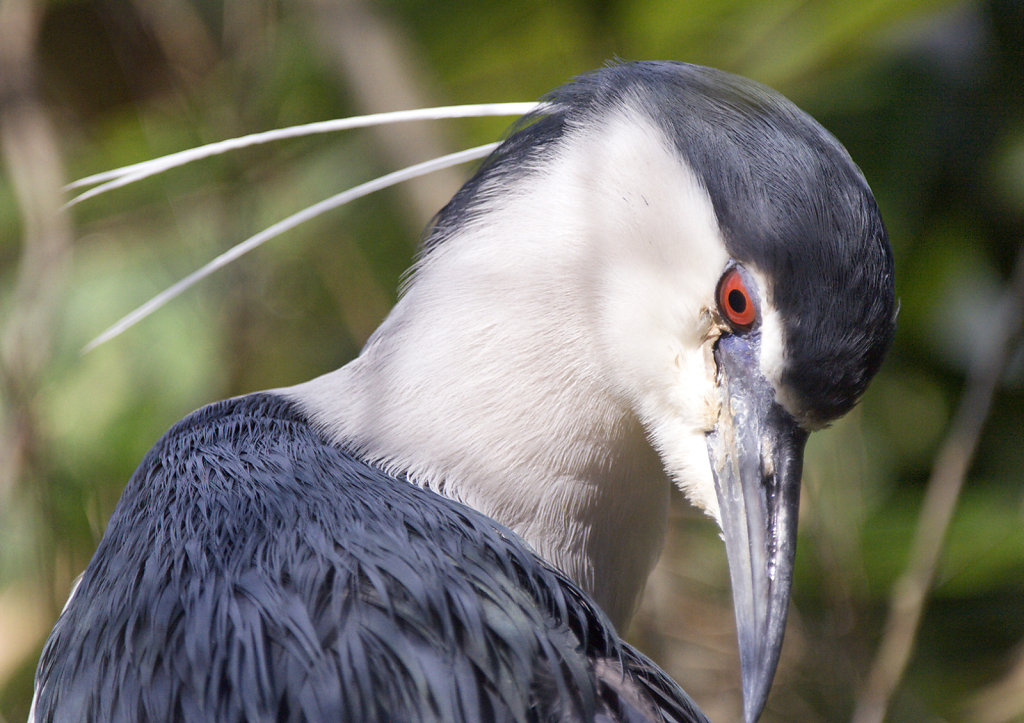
x,y
664,275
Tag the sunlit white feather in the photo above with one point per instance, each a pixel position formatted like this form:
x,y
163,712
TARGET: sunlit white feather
x,y
549,365
118,177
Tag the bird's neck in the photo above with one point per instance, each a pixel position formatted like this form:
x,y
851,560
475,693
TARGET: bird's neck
x,y
497,400
547,344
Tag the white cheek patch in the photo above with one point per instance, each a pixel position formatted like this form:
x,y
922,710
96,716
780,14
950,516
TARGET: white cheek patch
x,y
661,254
655,249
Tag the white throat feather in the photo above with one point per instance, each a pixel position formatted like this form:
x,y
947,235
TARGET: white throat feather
x,y
534,367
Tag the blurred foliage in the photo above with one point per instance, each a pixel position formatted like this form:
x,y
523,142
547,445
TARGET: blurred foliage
x,y
926,94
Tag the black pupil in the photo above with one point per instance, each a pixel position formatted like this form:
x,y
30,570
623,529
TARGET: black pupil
x,y
737,301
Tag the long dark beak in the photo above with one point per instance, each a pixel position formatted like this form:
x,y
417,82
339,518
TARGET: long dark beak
x,y
756,452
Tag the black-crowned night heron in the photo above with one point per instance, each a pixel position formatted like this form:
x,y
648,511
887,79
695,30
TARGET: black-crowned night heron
x,y
668,275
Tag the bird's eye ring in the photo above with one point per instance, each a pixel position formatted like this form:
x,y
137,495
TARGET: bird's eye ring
x,y
735,302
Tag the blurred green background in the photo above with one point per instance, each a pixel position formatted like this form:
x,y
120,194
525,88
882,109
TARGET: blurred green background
x,y
927,96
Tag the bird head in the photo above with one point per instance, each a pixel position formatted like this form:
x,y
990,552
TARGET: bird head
x,y
730,279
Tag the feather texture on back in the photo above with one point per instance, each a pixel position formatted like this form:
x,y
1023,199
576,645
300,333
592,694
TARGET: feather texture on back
x,y
253,571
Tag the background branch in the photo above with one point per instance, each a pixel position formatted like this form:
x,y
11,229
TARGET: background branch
x,y
948,474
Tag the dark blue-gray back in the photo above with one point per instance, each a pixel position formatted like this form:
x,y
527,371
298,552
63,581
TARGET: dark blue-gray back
x,y
254,571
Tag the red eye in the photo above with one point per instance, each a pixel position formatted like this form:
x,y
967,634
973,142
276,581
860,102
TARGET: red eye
x,y
734,301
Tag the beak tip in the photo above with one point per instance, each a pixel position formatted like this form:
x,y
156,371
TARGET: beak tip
x,y
761,624
756,685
